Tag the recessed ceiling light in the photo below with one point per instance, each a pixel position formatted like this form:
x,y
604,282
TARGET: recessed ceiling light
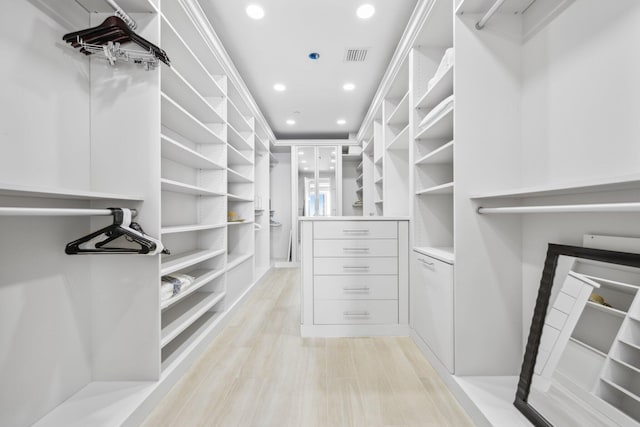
x,y
255,11
306,168
331,167
365,11
300,153
279,87
341,121
291,122
348,86
303,161
333,160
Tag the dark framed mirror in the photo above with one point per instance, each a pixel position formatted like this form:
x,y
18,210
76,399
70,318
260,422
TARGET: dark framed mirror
x,y
582,360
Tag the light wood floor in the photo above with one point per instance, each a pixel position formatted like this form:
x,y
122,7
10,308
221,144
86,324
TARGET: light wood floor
x,y
260,372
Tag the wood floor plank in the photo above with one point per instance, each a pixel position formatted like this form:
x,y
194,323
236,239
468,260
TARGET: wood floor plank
x,y
259,372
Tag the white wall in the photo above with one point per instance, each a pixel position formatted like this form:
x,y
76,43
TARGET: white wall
x,y
281,203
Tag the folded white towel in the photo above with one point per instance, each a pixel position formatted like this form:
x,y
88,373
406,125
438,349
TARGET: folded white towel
x,y
174,284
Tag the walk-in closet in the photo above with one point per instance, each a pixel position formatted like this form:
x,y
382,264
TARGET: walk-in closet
x,y
320,213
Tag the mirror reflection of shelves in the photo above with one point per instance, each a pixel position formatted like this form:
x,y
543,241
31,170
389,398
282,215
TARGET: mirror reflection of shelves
x,y
601,363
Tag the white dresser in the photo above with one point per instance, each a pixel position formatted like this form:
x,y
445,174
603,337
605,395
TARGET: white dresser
x,y
354,276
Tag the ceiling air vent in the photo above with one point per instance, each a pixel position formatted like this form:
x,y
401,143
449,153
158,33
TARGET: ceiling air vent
x,y
355,55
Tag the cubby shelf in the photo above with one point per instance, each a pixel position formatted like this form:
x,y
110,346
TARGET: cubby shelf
x,y
621,389
173,263
189,228
182,315
179,187
203,277
440,126
189,338
175,86
236,119
237,223
401,141
235,198
235,157
378,161
440,90
238,141
378,180
173,150
57,193
438,189
400,115
605,309
192,68
444,254
441,155
587,346
234,260
179,120
233,176
359,167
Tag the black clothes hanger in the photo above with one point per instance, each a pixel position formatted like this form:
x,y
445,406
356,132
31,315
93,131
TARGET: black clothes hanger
x,y
122,226
113,29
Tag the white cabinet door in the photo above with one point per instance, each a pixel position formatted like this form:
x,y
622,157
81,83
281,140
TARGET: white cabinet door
x,y
432,305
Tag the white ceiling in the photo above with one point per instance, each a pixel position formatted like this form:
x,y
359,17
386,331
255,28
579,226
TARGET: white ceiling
x,y
275,50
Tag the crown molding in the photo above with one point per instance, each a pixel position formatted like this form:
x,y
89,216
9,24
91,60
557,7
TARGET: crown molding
x,y
416,22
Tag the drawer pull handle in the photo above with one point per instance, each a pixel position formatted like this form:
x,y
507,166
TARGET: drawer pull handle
x,y
357,249
424,261
356,313
355,267
355,289
355,230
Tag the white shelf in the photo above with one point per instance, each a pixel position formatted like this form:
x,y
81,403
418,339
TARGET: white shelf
x,y
400,115
627,288
444,254
607,310
182,315
237,223
378,161
625,364
203,277
587,346
189,228
440,90
621,389
360,189
236,119
438,189
379,202
441,155
175,151
234,260
57,193
401,141
234,198
275,225
233,176
238,141
192,68
189,338
179,120
626,342
440,126
234,157
173,263
182,92
378,180
359,167
628,182
179,187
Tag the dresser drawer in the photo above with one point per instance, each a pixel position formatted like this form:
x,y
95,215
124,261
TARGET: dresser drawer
x,y
355,287
356,248
353,265
355,312
355,230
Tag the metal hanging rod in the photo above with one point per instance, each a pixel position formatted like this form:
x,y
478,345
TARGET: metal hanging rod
x,y
58,212
122,14
587,208
492,11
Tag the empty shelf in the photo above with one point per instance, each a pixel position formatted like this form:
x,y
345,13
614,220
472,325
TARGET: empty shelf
x,y
179,187
401,141
182,315
400,115
189,228
379,180
236,119
234,260
438,189
235,223
444,254
179,120
233,176
177,152
234,198
605,309
57,193
359,167
235,157
438,124
441,155
173,263
203,277
237,140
